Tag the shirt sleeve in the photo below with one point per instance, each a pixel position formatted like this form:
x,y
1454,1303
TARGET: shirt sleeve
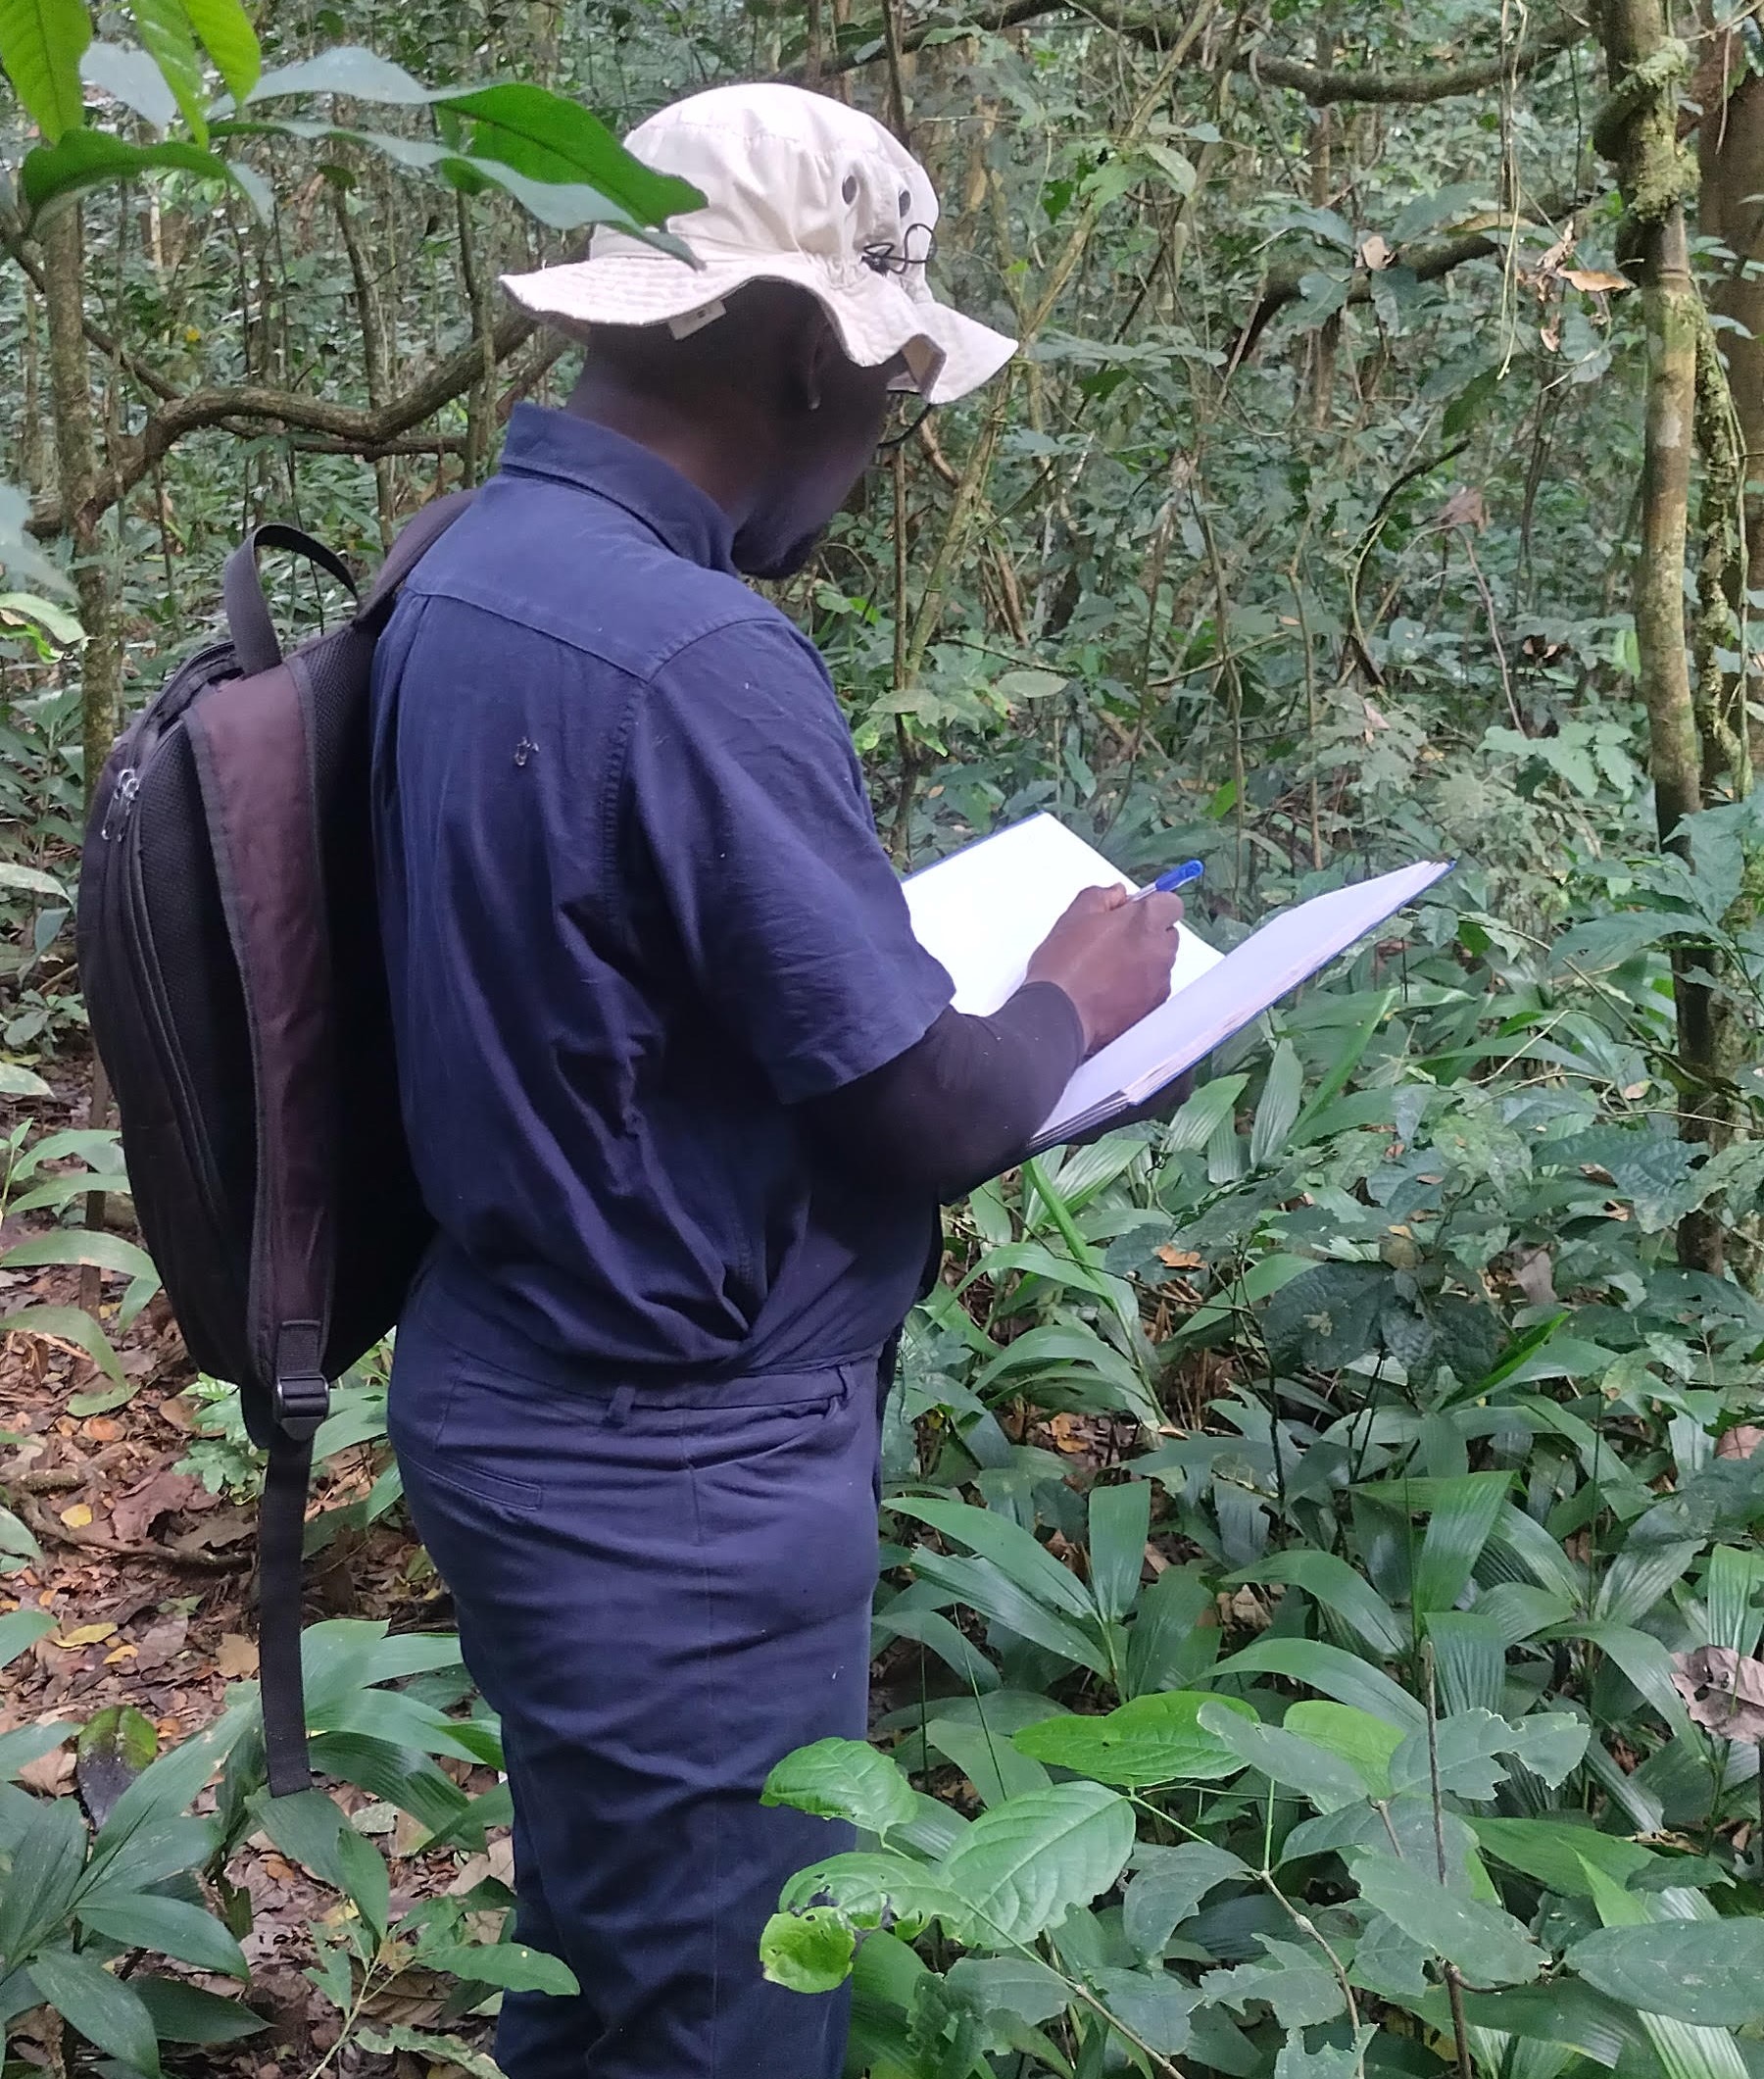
x,y
749,800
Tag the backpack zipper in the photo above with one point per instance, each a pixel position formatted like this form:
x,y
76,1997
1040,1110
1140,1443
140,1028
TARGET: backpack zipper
x,y
117,810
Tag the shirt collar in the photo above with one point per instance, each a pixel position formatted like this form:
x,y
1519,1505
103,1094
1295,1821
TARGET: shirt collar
x,y
569,450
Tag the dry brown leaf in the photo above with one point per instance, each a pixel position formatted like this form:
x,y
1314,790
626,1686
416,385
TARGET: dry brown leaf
x,y
1177,1258
77,1515
1069,1432
1594,279
162,1643
134,1512
236,1657
1739,1442
1552,261
49,1772
1375,252
1465,508
1723,1692
1532,1274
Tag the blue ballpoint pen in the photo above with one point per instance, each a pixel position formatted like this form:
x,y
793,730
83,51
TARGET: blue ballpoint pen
x,y
1169,881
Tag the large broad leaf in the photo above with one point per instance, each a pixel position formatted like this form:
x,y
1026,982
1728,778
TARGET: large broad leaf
x,y
843,1779
1120,1520
1167,1885
1341,1590
1023,1866
1316,1773
84,159
1297,1982
161,1793
41,43
1279,1106
46,1869
511,1965
185,2013
104,1251
169,1926
106,2012
1707,1972
1363,1741
1686,2050
808,1953
165,30
1155,1738
231,42
1342,1675
871,1887
994,1594
67,1324
113,1750
1011,1548
1489,1946
546,136
1555,1852
21,1628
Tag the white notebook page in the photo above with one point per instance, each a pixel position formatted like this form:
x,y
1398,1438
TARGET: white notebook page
x,y
983,911
1248,981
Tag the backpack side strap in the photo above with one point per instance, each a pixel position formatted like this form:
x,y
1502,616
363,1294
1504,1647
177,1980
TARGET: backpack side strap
x,y
248,616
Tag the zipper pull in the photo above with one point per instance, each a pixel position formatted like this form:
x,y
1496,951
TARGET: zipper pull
x,y
122,801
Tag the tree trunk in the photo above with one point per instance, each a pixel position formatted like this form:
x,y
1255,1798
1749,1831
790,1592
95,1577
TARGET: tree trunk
x,y
101,657
1638,129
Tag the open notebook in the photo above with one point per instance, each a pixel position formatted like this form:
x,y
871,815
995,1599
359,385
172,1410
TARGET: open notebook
x,y
983,912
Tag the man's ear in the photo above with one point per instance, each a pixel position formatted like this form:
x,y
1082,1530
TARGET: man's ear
x,y
821,357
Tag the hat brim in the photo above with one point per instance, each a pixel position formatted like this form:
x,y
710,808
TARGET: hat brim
x,y
875,315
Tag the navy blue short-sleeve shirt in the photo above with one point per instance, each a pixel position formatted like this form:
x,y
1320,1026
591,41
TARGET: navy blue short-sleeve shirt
x,y
636,913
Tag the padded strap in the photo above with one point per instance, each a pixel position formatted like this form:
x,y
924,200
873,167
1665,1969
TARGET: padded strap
x,y
415,540
282,1533
248,616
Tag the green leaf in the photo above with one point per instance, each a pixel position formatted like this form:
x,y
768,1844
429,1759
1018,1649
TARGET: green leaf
x,y
1489,1946
986,1758
47,1864
869,1886
1120,1522
1342,1675
1152,1739
171,1927
108,2013
1282,1756
1339,1587
67,1324
1464,1512
1709,1973
307,1827
433,2053
1022,1557
83,159
1152,2003
32,880
1167,1885
1365,1743
107,1251
1024,1865
808,1953
21,1628
989,1589
1297,1982
113,1750
549,137
511,1965
843,1779
17,1540
41,43
347,69
1555,1852
1279,1106
23,1746
1009,1985
19,1081
165,30
230,40
1199,1118
185,2013
366,1881
159,1793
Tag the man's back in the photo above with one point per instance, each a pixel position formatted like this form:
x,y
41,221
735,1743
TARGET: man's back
x,y
635,914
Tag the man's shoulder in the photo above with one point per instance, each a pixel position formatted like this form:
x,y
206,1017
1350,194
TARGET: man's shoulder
x,y
552,573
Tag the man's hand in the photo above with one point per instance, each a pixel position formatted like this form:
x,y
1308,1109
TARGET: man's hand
x,y
1112,957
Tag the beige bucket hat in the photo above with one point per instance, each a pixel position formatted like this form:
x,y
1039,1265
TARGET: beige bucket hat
x,y
799,189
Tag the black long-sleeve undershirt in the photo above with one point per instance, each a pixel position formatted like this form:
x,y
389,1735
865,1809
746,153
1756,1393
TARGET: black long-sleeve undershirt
x,y
963,1102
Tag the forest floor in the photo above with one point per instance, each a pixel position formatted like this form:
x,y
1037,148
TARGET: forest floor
x,y
150,1577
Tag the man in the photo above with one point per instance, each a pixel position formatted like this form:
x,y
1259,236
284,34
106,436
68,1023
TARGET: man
x,y
681,1088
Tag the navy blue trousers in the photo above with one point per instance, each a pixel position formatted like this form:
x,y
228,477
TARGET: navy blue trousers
x,y
661,1593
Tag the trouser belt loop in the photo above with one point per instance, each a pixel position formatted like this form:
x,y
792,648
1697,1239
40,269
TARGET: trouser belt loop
x,y
623,1401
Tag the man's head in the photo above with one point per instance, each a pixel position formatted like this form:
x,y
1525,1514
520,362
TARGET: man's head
x,y
763,371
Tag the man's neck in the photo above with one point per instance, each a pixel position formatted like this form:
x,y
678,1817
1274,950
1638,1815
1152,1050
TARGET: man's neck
x,y
720,466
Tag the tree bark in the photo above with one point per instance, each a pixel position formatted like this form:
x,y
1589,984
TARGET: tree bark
x,y
1638,129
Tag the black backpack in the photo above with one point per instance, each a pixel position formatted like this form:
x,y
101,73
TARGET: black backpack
x,y
229,952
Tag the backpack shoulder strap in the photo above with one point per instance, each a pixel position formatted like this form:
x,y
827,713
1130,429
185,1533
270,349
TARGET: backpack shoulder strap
x,y
415,540
248,616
